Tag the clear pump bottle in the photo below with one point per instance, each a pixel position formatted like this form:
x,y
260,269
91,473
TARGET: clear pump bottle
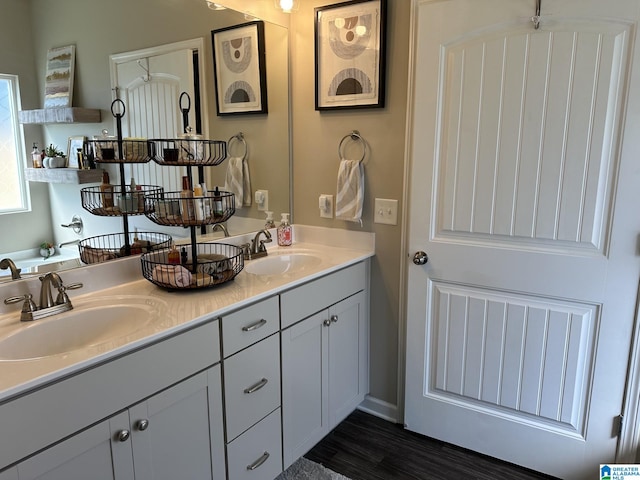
x,y
285,231
269,223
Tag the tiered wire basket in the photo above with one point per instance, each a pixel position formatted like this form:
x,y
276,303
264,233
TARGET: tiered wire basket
x,y
189,152
177,209
119,202
108,151
102,248
216,263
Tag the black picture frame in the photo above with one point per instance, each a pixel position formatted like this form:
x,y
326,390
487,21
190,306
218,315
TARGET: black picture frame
x,y
350,55
239,69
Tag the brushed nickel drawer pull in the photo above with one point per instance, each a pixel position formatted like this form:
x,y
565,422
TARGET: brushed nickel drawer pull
x,y
254,326
259,461
257,386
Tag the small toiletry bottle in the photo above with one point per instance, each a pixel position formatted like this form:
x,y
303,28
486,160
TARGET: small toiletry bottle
x,y
198,203
183,256
35,156
206,202
269,223
136,246
173,257
284,231
107,191
186,204
218,211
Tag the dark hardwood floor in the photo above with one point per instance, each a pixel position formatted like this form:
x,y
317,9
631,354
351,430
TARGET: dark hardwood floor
x,y
364,447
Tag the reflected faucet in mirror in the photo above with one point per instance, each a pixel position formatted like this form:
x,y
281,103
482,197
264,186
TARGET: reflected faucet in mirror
x,y
8,263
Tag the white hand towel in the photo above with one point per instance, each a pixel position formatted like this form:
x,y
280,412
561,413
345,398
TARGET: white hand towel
x,y
350,195
237,181
172,275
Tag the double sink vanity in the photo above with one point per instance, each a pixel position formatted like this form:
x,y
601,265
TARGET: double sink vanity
x,y
233,382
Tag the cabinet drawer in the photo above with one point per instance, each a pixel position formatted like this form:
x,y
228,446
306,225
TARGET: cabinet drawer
x,y
305,300
257,453
250,325
251,385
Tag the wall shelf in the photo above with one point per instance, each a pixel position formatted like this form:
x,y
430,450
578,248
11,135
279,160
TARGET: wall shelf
x,y
59,115
63,175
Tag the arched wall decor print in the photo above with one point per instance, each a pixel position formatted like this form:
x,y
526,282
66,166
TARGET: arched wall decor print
x,y
350,54
239,69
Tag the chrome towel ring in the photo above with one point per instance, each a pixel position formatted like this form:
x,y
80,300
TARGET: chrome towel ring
x,y
355,137
239,137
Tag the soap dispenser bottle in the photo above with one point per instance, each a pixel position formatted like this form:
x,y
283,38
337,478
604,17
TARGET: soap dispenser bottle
x,y
284,231
269,223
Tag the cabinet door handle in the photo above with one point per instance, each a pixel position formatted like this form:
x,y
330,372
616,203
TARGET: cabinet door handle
x,y
123,435
142,425
256,387
334,318
326,322
254,326
258,462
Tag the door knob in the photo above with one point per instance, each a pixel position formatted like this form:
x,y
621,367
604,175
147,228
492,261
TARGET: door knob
x,y
420,258
123,435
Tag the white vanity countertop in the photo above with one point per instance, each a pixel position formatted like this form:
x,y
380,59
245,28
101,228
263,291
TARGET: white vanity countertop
x,y
180,310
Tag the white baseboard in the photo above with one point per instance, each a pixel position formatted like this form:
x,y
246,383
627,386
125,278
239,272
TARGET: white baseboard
x,y
379,408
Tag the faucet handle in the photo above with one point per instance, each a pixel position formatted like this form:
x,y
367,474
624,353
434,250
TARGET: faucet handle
x,y
28,307
62,297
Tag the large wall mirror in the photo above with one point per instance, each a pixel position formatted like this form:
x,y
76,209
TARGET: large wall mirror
x,y
102,30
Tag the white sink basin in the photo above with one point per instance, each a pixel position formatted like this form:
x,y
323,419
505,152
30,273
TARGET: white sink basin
x,y
90,323
282,263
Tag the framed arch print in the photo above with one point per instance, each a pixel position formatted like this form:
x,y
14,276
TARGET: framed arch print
x,y
350,54
239,70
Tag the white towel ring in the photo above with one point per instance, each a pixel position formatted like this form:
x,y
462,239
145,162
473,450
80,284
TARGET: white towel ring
x,y
239,137
356,137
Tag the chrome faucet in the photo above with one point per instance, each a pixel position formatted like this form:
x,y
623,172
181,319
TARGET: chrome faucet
x,y
8,263
256,248
221,226
30,311
71,242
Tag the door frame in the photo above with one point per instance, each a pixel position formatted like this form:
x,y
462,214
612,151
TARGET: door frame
x,y
629,436
193,44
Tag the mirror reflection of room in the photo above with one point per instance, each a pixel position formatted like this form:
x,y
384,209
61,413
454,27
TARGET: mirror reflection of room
x,y
99,47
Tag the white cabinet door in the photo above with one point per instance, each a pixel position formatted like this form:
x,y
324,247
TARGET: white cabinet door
x,y
94,453
171,437
348,358
324,373
304,385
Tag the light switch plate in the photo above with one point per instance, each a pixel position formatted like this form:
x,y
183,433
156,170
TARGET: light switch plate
x,y
386,211
325,204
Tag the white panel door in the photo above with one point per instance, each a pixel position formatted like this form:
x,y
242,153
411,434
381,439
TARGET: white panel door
x,y
150,83
524,145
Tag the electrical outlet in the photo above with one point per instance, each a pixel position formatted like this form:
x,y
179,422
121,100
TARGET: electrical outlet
x,y
325,204
386,211
262,200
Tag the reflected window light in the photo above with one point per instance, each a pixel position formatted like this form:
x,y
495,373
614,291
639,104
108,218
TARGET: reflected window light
x,y
287,6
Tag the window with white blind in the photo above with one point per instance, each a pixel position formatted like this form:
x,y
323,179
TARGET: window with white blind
x,y
14,194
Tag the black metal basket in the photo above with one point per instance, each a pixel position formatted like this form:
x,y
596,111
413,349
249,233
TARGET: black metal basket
x,y
216,263
179,209
133,151
102,248
189,152
116,203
